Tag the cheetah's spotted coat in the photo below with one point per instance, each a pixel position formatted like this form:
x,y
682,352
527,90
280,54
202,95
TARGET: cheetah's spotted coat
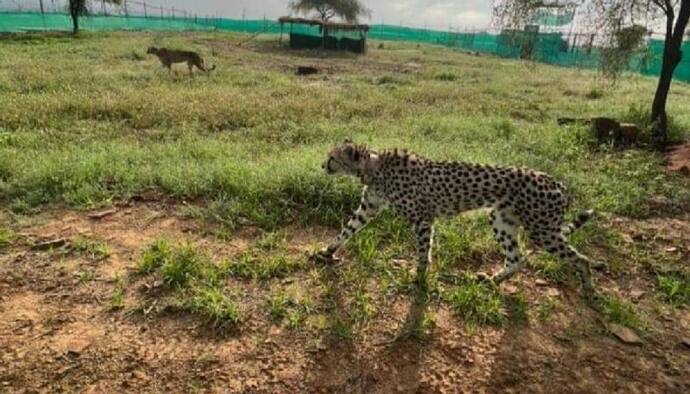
x,y
421,190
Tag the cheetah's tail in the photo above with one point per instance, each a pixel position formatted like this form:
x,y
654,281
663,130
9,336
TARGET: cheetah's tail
x,y
581,219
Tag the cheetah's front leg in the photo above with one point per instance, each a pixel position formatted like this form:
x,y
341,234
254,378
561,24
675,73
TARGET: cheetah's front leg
x,y
425,240
368,208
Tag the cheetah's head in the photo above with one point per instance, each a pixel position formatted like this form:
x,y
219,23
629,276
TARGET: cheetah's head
x,y
348,159
152,50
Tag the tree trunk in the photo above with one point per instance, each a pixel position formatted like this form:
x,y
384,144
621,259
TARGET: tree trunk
x,y
75,23
74,8
672,57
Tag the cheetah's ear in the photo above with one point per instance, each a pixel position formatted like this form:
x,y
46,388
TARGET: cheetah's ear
x,y
352,153
348,140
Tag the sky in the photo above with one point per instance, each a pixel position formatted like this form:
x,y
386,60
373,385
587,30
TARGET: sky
x,y
432,13
438,14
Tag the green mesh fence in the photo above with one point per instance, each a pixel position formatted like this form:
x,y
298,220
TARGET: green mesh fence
x,y
549,48
32,21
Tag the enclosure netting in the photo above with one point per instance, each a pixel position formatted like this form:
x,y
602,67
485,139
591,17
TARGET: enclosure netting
x,y
551,48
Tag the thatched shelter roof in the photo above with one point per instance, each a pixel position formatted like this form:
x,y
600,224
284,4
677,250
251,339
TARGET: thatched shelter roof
x,y
331,26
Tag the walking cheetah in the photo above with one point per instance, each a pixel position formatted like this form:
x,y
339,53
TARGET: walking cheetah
x,y
169,56
421,190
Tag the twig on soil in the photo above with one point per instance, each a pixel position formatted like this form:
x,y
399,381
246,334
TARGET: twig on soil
x,y
101,214
53,243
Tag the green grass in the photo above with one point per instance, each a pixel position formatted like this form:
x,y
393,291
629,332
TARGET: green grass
x,y
186,263
178,265
250,137
675,289
477,302
197,283
215,306
90,248
154,257
550,267
278,305
85,276
546,308
256,265
6,236
289,309
117,297
624,313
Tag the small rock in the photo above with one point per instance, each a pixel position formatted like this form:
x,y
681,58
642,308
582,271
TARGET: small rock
x,y
635,295
77,346
102,214
541,282
686,342
139,375
639,237
552,292
671,249
510,289
624,334
53,243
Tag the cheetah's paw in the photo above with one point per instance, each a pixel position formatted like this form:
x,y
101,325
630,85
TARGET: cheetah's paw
x,y
324,257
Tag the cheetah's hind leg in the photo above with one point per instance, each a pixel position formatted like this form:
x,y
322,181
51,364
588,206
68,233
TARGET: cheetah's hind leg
x,y
557,244
505,228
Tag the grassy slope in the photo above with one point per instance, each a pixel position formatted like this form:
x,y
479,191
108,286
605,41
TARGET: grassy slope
x,y
84,121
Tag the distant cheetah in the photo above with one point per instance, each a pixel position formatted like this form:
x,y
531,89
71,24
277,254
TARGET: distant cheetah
x,y
169,56
421,190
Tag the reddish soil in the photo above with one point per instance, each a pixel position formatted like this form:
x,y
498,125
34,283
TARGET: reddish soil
x,y
58,334
678,158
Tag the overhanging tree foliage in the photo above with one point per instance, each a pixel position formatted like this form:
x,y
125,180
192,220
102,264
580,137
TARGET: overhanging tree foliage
x,y
78,8
348,10
611,17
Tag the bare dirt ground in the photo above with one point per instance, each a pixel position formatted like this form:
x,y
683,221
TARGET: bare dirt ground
x,y
678,157
59,334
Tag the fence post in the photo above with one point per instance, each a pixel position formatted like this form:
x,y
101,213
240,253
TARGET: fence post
x,y
572,48
172,12
124,2
161,12
145,16
41,4
105,12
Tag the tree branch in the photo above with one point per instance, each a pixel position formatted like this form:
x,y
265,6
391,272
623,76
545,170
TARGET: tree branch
x,y
682,22
669,9
661,5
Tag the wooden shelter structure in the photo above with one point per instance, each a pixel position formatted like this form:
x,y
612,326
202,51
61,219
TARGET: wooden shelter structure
x,y
317,34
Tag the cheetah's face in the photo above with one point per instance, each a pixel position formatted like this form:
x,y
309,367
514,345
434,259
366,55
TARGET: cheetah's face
x,y
346,158
152,50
